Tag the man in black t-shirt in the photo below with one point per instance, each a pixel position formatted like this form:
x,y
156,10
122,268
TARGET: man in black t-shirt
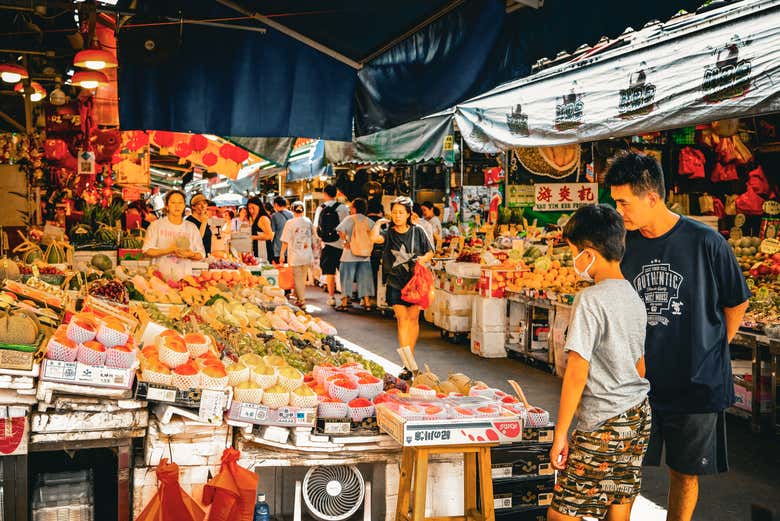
x,y
695,296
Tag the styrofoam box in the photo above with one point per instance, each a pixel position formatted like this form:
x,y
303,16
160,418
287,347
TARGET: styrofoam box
x,y
430,314
455,324
488,314
460,305
488,344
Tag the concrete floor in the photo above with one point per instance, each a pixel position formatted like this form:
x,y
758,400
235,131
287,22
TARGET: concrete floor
x,y
754,460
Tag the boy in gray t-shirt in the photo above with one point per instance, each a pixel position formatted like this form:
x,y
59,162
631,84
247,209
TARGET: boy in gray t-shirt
x,y
600,466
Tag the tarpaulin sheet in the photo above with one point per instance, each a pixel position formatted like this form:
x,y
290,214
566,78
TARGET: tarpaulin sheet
x,y
274,149
311,166
720,64
236,83
420,140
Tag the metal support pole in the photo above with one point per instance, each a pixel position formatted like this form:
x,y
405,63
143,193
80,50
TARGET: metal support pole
x,y
460,206
28,123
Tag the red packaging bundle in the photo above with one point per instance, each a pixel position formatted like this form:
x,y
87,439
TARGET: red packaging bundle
x,y
691,163
231,493
171,503
418,290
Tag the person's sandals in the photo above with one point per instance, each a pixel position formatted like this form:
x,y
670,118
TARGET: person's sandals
x,y
343,306
331,301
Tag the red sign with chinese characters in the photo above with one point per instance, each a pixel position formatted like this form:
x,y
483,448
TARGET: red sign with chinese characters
x,y
564,197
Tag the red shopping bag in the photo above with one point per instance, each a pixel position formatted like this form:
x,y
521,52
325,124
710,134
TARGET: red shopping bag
x,y
231,493
171,503
418,290
285,280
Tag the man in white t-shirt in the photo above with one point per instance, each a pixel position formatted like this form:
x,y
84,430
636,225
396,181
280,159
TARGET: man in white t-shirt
x,y
297,244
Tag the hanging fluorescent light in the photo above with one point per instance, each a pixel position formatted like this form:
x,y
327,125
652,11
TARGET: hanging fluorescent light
x,y
89,79
95,59
38,91
11,73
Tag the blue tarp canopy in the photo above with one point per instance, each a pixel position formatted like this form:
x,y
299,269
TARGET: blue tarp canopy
x,y
361,65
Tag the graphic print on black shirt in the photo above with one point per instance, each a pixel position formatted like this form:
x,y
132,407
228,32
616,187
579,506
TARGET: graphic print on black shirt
x,y
659,287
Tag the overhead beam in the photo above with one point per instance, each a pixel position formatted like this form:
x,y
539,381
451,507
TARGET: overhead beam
x,y
534,4
292,34
451,6
11,121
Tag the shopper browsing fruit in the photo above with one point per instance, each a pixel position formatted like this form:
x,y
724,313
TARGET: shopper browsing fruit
x,y
199,217
404,244
326,219
600,465
696,296
297,246
355,265
261,233
172,242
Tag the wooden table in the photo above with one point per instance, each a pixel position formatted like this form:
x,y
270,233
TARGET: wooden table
x,y
476,460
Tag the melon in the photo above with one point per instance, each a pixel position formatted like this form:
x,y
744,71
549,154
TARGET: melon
x,y
101,262
8,270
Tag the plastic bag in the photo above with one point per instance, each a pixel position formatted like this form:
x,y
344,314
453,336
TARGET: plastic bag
x,y
418,290
231,493
750,203
691,163
171,503
758,182
722,173
285,280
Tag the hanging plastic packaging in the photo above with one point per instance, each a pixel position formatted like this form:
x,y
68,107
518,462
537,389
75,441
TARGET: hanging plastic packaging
x,y
171,503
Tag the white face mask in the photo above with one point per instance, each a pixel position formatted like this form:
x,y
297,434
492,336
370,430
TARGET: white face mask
x,y
584,275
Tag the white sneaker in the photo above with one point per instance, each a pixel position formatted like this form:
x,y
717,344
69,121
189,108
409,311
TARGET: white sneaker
x,y
331,301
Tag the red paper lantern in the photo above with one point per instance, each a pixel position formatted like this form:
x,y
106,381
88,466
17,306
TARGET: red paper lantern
x,y
198,142
137,139
163,138
239,155
55,149
226,151
210,159
183,149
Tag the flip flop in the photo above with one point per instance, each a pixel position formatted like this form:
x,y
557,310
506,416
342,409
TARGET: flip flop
x,y
341,307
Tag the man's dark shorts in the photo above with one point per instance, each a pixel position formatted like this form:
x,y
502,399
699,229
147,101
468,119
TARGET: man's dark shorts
x,y
330,258
695,444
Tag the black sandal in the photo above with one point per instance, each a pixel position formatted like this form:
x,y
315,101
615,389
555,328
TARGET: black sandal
x,y
341,307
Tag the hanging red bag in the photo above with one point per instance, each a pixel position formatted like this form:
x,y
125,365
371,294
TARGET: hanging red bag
x,y
758,182
171,503
723,173
750,203
231,493
691,163
285,280
418,290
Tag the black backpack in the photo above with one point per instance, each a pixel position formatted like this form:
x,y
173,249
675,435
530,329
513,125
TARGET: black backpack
x,y
329,221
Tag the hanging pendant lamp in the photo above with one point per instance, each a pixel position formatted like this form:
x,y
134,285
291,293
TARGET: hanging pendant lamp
x,y
38,91
11,73
95,59
89,79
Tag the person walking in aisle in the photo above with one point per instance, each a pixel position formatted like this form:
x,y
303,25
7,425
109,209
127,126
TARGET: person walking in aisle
x,y
404,243
280,216
261,232
375,212
418,220
355,265
326,219
600,466
431,214
695,295
200,217
297,247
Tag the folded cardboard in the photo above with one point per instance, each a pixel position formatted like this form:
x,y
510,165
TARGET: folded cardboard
x,y
88,375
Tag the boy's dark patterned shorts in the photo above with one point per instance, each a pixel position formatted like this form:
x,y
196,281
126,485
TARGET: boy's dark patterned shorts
x,y
604,466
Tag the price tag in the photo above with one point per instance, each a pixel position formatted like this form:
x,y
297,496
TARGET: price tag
x,y
212,405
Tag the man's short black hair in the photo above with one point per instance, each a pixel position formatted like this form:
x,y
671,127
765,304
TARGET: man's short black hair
x,y
360,205
375,207
280,201
427,204
331,190
599,227
642,173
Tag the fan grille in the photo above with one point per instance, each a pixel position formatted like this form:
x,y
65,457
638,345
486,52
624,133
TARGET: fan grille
x,y
333,493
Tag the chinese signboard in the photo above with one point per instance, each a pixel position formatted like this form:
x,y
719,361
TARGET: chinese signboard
x,y
564,197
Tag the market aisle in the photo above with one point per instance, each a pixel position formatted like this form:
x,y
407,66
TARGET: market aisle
x,y
754,460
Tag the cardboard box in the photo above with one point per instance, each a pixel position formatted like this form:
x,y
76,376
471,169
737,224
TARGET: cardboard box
x,y
82,374
509,494
488,314
743,395
217,401
521,460
492,283
522,514
539,434
418,433
18,360
257,414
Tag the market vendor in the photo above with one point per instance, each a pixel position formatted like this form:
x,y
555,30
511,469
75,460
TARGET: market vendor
x,y
200,218
695,295
172,242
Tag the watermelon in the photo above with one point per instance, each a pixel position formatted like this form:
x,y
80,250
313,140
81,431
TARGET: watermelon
x,y
101,262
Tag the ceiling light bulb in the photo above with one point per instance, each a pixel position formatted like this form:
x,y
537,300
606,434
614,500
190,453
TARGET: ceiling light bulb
x,y
89,84
11,77
36,96
95,65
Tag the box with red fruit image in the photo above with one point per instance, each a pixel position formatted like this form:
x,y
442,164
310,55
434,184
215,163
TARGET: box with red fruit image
x,y
448,421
